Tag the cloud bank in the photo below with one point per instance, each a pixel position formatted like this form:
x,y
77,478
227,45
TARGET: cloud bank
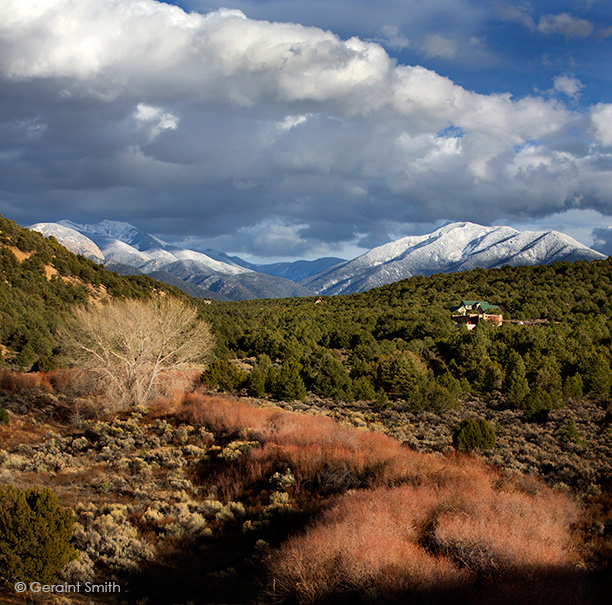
x,y
271,138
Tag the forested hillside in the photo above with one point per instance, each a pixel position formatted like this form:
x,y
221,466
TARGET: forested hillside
x,y
39,281
395,343
399,341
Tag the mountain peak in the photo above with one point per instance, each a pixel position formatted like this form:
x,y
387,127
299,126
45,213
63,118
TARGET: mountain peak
x,y
71,239
453,247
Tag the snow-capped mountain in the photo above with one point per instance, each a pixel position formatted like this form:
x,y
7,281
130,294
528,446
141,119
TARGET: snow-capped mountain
x,y
455,247
124,244
118,230
123,247
71,239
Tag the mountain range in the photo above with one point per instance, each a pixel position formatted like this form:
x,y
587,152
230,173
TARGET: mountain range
x,y
213,274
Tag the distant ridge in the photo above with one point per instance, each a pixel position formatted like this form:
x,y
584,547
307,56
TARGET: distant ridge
x,y
455,247
213,274
119,245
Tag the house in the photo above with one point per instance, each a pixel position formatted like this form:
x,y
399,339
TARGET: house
x,y
472,312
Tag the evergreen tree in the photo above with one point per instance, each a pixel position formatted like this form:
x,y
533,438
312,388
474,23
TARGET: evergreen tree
x,y
363,389
35,535
289,384
597,375
330,379
223,375
515,383
573,387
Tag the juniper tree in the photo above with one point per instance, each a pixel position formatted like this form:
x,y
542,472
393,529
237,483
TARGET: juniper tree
x,y
35,535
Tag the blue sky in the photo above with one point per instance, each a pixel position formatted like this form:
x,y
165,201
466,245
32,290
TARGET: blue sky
x,y
290,129
487,46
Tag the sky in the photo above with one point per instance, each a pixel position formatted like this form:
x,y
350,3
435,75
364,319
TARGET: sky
x,y
285,129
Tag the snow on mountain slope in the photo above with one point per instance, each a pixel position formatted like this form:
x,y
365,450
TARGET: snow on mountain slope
x,y
455,247
71,239
120,253
125,247
124,232
198,258
156,254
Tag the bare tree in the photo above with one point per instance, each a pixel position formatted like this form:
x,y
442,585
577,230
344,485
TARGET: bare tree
x,y
131,343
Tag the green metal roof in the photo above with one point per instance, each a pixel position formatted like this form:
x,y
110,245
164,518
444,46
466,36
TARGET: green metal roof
x,y
483,304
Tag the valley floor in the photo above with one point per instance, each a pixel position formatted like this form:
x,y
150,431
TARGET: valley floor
x,y
163,508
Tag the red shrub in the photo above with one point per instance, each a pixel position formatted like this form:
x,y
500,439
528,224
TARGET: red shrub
x,y
223,415
18,382
323,455
422,523
367,542
425,538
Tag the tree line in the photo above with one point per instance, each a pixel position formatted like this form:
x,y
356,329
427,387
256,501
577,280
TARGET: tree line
x,y
399,343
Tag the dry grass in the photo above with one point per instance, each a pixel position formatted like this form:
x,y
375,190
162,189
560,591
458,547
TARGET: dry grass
x,y
426,539
419,524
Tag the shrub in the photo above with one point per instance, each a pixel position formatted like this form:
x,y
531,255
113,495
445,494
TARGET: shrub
x,y
473,434
4,416
402,542
570,433
35,535
223,375
19,382
323,456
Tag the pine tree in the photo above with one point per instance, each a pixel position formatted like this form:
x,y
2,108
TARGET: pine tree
x,y
289,384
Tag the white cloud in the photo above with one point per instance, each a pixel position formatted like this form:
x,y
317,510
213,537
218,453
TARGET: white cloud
x,y
604,33
601,120
330,136
156,119
565,24
290,122
392,38
568,85
521,13
436,45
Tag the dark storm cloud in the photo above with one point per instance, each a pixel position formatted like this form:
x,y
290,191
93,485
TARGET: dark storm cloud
x,y
269,138
603,240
